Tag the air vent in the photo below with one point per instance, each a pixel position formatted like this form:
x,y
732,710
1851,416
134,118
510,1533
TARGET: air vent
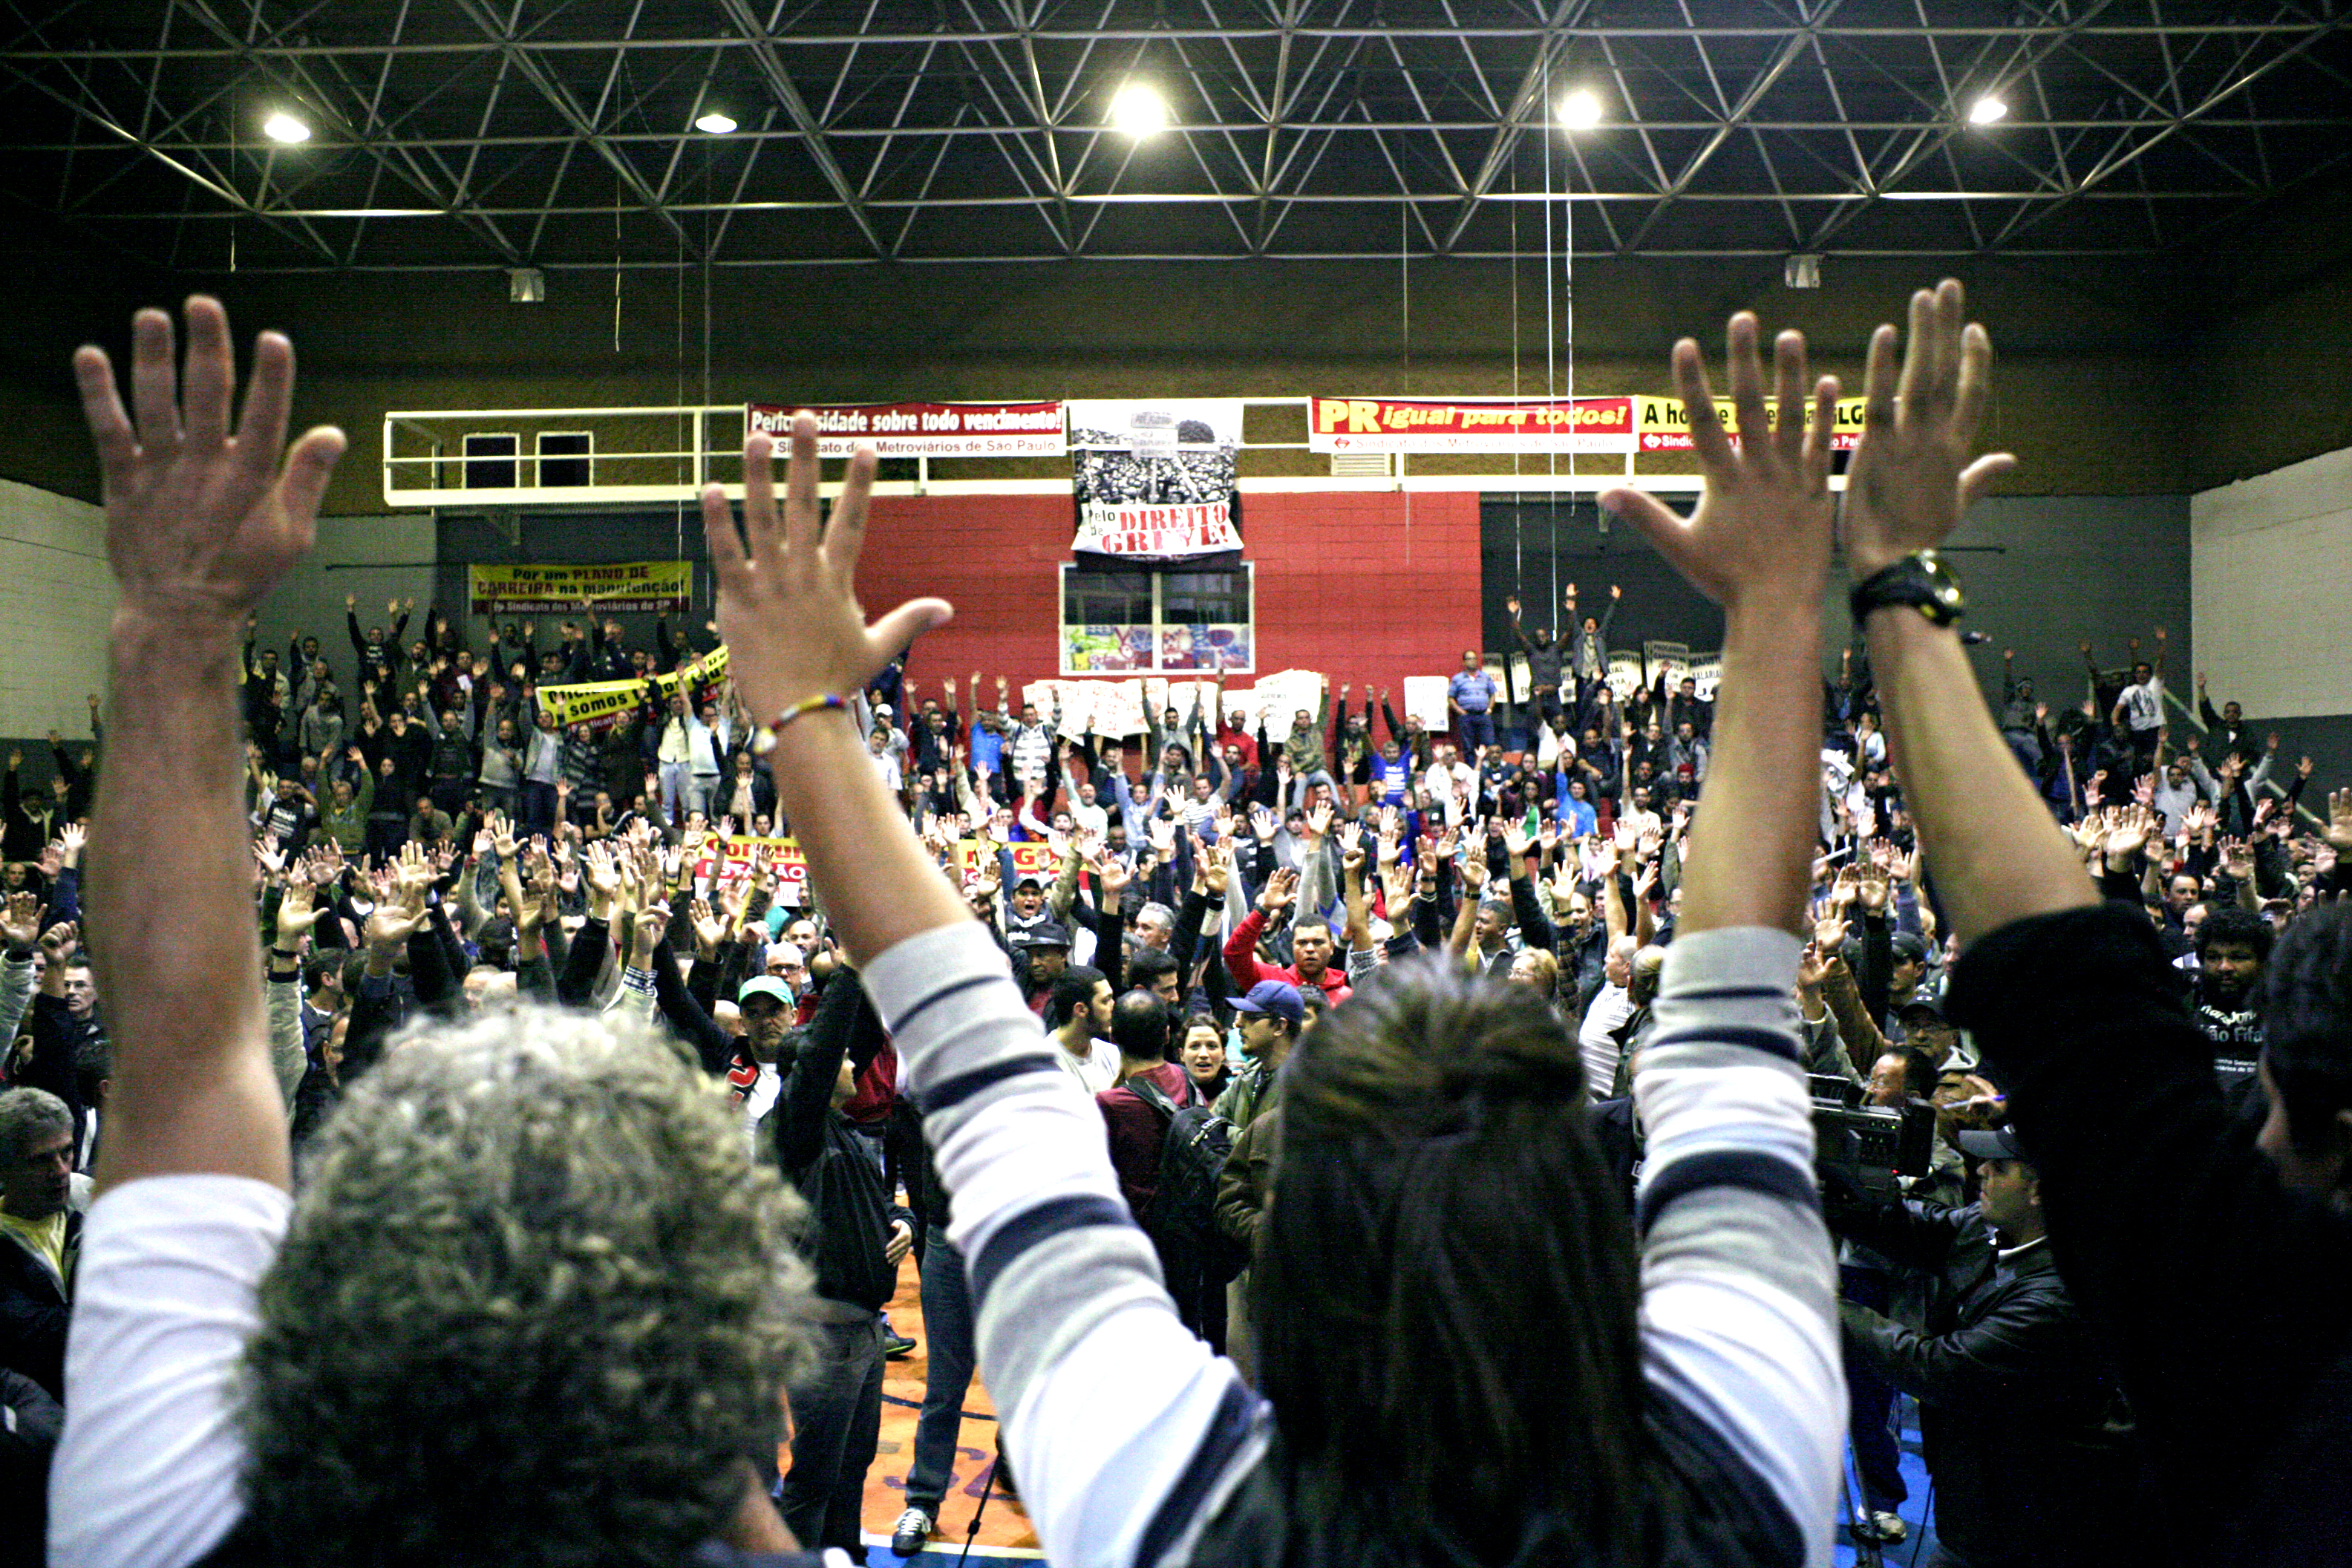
x,y
1359,465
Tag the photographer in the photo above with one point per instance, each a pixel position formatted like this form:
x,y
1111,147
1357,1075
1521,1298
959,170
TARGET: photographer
x,y
2021,1424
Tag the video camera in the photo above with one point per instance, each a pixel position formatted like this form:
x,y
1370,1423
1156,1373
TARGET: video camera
x,y
1864,1148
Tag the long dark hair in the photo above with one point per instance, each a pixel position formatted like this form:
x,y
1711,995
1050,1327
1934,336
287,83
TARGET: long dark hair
x,y
1446,1301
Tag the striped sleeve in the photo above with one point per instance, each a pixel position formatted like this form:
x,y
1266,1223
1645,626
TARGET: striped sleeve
x,y
1119,1423
1738,1279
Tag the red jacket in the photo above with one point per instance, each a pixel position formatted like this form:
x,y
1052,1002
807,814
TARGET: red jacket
x,y
1247,969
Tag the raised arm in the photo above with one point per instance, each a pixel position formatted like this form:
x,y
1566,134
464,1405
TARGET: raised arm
x,y
200,524
1995,853
1081,1325
1739,1278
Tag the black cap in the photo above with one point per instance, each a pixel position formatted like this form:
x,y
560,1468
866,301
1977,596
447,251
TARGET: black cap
x,y
1910,945
1996,1144
1044,933
1923,1003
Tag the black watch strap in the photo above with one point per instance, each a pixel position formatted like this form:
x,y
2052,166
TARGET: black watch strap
x,y
1916,580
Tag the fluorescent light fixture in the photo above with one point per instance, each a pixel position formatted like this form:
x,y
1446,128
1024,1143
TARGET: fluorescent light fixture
x,y
1139,111
1987,109
1581,109
715,123
283,127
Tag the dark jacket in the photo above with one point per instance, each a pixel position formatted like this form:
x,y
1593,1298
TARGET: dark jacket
x,y
837,1169
34,1306
1248,1179
2226,1299
2023,1432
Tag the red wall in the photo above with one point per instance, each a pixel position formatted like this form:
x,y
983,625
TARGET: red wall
x,y
1368,588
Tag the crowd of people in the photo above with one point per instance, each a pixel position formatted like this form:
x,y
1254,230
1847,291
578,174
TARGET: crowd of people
x,y
496,1128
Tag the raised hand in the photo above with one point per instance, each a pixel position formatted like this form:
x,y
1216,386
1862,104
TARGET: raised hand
x,y
1829,937
1215,864
73,836
296,912
1911,479
200,522
20,921
59,942
1111,875
788,602
1764,524
2339,821
1279,891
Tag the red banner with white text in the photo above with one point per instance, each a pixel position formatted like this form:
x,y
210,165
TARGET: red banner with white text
x,y
1470,424
923,430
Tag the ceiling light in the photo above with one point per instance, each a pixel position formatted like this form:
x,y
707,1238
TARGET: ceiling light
x,y
1138,110
715,123
283,127
1581,109
1987,109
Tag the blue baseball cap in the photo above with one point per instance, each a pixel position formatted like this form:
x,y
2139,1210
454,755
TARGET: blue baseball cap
x,y
1275,997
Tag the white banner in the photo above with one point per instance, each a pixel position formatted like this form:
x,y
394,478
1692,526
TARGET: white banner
x,y
1156,480
1424,698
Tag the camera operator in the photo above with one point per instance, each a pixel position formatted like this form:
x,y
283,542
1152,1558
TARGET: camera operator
x,y
2021,1424
2217,1264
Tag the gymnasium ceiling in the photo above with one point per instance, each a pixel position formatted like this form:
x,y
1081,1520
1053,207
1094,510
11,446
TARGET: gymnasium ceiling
x,y
482,134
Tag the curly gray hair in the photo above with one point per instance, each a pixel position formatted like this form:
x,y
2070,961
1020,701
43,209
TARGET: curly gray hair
x,y
535,1305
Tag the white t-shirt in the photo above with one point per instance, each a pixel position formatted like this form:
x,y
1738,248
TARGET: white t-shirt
x,y
147,1472
2143,705
762,1096
1099,1071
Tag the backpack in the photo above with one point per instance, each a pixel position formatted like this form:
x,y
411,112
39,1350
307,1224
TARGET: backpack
x,y
1191,1159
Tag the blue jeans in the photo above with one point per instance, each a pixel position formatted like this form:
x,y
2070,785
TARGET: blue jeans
x,y
947,1376
1870,1405
1476,730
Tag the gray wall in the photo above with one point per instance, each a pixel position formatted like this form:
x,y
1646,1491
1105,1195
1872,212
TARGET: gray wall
x,y
2042,573
378,558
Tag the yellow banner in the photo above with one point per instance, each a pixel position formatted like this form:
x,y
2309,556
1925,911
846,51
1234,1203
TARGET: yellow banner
x,y
600,702
663,587
1659,424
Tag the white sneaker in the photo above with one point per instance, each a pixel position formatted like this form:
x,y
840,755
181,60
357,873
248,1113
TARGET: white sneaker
x,y
1890,1527
913,1529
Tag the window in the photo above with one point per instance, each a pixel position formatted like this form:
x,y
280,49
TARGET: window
x,y
491,462
1165,621
566,457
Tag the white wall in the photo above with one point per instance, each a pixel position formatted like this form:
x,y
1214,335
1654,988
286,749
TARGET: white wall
x,y
56,600
2270,589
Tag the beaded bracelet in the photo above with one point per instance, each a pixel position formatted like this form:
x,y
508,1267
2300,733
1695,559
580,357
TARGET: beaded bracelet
x,y
766,740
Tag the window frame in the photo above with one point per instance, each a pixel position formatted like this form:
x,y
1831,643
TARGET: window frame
x,y
1159,623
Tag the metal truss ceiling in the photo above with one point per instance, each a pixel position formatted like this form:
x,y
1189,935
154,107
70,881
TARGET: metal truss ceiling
x,y
483,134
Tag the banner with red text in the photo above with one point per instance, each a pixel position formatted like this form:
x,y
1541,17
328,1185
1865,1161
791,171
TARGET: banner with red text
x,y
726,860
1469,425
1030,858
923,430
1661,425
1157,480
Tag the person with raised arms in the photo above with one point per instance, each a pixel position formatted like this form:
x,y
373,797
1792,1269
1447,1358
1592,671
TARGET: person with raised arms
x,y
1467,1353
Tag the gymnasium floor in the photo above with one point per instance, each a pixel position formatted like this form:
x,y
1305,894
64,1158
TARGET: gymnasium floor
x,y
1005,1535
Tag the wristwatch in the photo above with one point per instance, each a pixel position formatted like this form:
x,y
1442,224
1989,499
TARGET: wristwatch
x,y
1920,580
